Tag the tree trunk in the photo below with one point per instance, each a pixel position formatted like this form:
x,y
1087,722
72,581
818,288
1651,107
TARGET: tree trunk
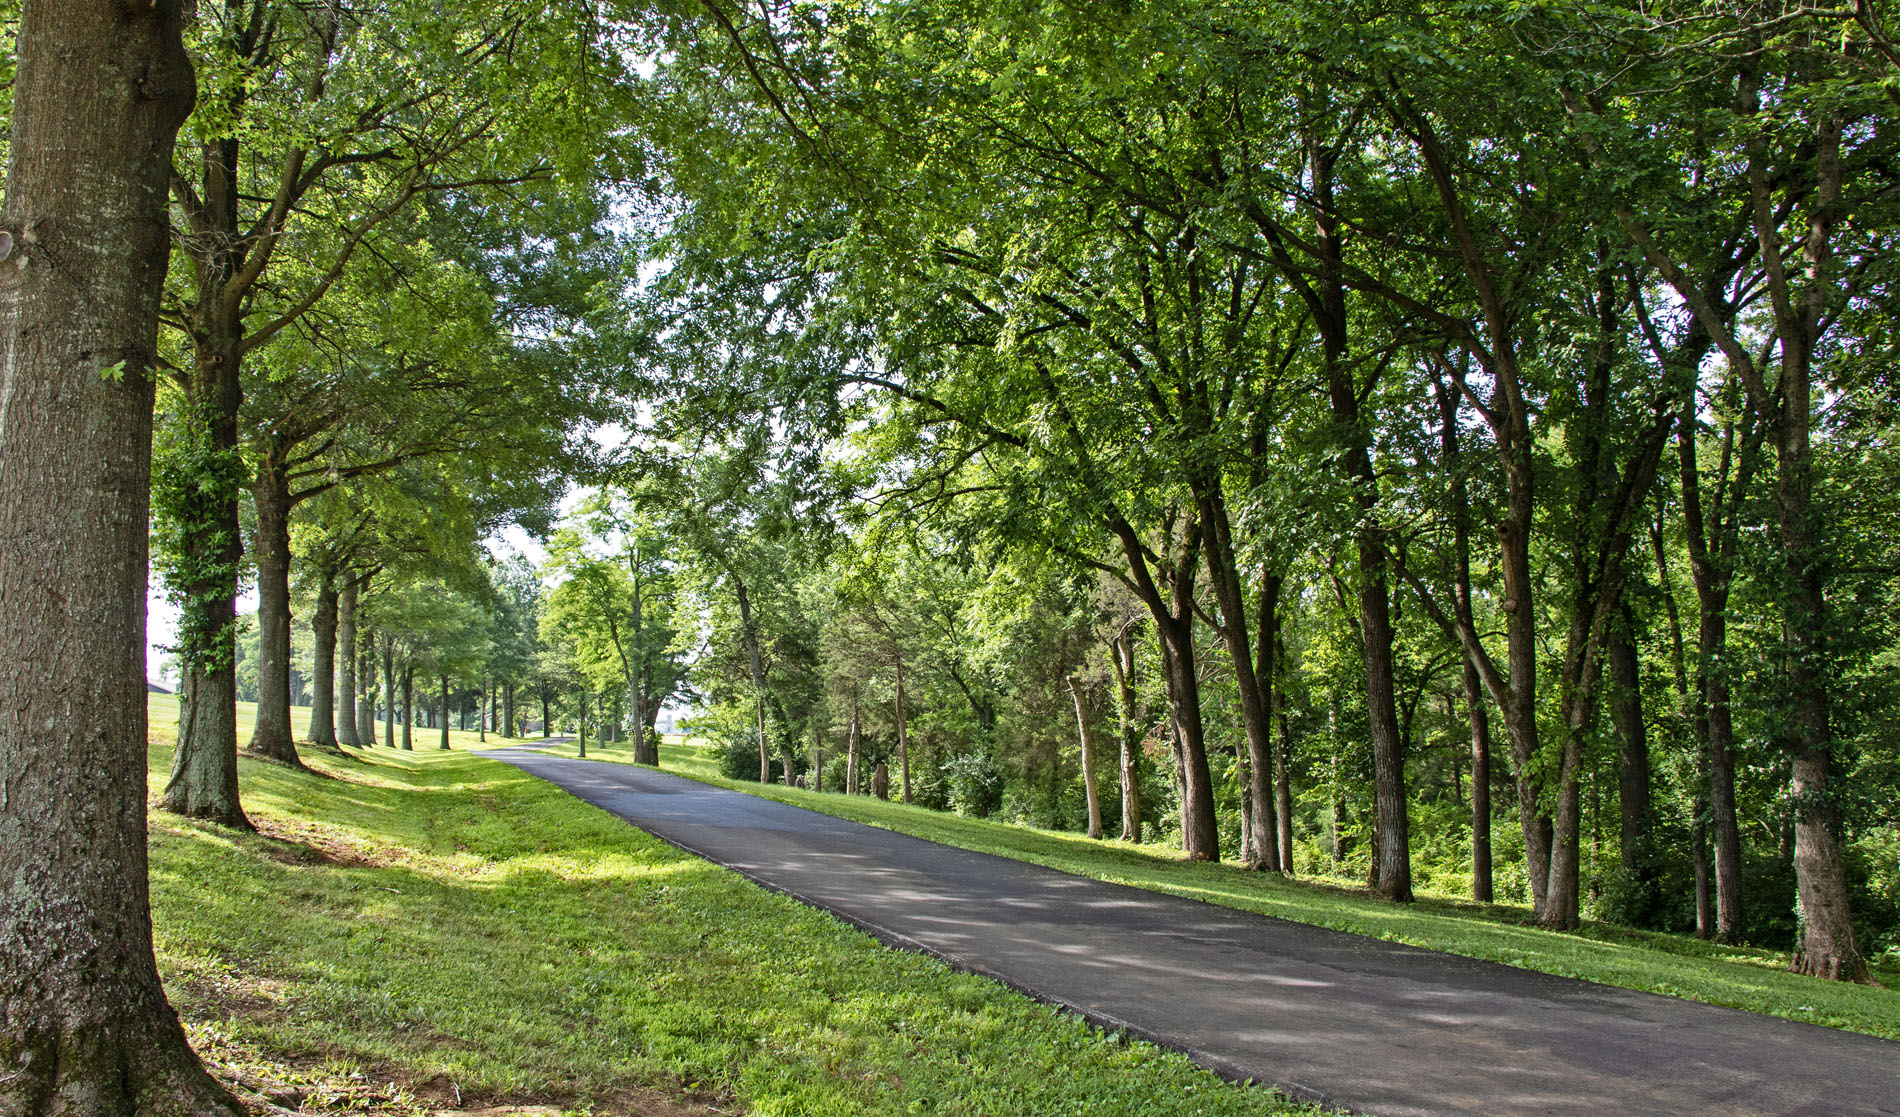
x,y
201,502
346,655
1173,614
1632,738
580,720
1199,834
323,628
271,737
1827,947
389,690
203,781
749,634
1260,847
1088,760
1122,658
508,710
445,714
1393,853
366,693
100,92
851,758
547,725
1283,782
903,735
881,781
408,706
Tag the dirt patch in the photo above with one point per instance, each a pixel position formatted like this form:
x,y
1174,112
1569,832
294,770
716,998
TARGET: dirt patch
x,y
295,844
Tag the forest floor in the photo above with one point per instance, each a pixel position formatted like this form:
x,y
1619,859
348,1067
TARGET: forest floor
x,y
1682,966
411,934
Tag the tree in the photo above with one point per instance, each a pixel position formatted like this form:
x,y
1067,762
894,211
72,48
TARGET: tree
x,y
101,91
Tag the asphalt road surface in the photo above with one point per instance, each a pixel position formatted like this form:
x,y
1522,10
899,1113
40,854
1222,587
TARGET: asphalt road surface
x,y
1354,1022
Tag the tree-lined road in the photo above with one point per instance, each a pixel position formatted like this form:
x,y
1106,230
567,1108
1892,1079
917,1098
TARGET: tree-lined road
x,y
1359,1023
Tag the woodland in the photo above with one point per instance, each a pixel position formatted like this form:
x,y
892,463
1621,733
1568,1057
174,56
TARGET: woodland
x,y
1436,449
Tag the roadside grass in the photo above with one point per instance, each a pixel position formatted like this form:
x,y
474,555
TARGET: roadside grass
x,y
1674,965
412,931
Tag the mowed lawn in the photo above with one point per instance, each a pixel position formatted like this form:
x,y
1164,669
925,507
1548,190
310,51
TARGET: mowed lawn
x,y
415,932
1674,965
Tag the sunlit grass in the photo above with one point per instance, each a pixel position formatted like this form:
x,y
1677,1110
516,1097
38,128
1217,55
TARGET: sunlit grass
x,y
450,923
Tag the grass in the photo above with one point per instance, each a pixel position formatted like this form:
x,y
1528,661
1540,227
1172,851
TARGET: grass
x,y
414,931
1674,965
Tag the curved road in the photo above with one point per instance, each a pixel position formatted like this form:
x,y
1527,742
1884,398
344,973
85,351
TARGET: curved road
x,y
1351,1021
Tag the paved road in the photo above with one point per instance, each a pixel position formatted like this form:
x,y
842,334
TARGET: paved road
x,y
1355,1022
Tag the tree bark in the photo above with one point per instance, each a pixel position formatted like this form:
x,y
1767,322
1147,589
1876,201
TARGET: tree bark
x,y
1089,789
101,89
346,718
580,720
508,710
1632,760
271,737
445,714
323,628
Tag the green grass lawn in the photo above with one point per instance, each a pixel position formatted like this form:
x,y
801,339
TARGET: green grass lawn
x,y
1675,965
417,931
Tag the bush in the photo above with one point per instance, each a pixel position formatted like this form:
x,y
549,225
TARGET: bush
x,y
975,784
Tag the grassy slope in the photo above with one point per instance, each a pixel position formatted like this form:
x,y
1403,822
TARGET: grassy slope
x,y
474,935
1676,965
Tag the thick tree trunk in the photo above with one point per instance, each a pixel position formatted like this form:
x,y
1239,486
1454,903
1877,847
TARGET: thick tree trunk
x,y
1632,759
271,737
203,781
445,714
580,721
1393,832
1088,759
1122,657
323,629
203,501
101,90
346,718
1827,947
547,724
508,710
